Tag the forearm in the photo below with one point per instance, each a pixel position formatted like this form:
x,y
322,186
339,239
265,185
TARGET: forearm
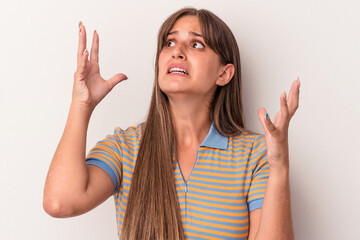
x,y
276,221
68,176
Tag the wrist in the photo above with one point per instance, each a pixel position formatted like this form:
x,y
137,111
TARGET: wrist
x,y
81,107
280,170
279,173
80,112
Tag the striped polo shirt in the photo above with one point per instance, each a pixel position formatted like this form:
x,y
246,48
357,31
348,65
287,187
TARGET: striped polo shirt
x,y
227,182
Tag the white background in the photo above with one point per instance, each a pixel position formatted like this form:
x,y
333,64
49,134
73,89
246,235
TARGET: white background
x,y
317,40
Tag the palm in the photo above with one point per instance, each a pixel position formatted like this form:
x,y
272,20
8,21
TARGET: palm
x,y
95,87
276,133
89,87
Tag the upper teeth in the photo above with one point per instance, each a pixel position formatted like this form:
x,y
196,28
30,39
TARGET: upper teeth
x,y
178,70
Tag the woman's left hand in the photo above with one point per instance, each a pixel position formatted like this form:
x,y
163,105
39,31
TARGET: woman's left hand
x,y
276,134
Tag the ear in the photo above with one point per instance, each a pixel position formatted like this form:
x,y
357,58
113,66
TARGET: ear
x,y
226,74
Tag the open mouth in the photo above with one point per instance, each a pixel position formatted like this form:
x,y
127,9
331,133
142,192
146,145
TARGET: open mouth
x,y
178,70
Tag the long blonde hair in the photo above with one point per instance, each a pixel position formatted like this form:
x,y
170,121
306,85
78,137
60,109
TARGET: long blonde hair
x,y
153,210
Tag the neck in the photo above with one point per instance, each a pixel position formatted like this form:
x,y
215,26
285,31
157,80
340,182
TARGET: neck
x,y
191,121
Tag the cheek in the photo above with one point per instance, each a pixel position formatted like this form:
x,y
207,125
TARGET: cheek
x,y
162,68
208,68
162,62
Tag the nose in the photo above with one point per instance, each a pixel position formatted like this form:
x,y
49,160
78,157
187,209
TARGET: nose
x,y
179,52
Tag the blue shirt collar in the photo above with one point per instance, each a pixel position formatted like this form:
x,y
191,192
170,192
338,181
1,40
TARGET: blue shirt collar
x,y
214,139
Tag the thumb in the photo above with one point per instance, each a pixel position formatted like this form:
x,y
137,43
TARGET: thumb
x,y
267,124
116,79
262,115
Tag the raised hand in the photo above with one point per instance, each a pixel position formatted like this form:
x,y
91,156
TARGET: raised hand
x,y
276,133
89,87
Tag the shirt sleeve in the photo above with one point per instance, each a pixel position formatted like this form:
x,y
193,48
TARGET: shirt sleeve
x,y
260,173
107,154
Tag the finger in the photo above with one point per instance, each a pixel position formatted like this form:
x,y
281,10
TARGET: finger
x,y
293,99
94,55
261,114
284,118
82,42
83,62
269,125
116,79
266,123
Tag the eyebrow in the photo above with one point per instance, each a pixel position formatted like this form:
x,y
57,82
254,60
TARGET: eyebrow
x,y
191,33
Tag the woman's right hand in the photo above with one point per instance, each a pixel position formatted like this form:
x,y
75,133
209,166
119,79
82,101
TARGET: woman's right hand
x,y
89,87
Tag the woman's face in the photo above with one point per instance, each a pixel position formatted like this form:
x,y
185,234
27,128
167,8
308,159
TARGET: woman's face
x,y
186,65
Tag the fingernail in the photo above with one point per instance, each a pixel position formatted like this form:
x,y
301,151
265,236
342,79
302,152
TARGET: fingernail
x,y
80,23
284,95
298,79
267,116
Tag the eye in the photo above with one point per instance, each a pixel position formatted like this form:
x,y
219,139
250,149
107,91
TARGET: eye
x,y
197,44
170,43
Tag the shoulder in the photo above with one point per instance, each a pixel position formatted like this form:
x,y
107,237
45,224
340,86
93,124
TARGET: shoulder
x,y
248,139
131,133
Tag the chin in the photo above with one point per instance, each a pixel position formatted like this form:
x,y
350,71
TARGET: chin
x,y
172,86
172,91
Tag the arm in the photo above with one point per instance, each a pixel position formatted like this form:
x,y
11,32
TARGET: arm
x,y
275,214
72,187
274,220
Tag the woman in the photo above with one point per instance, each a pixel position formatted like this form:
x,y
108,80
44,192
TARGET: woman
x,y
194,171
